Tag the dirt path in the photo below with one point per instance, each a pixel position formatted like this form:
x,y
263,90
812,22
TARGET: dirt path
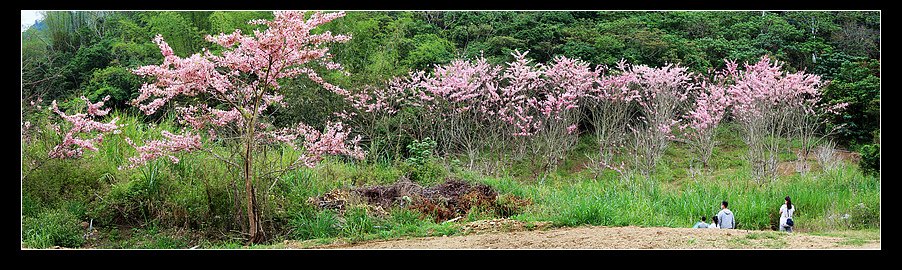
x,y
597,237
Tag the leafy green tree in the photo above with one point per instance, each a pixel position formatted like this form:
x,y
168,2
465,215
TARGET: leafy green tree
x,y
857,83
182,34
429,49
117,82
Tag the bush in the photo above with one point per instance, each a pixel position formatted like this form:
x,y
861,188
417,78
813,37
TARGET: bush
x,y
421,152
421,164
864,216
117,82
56,227
128,202
870,159
58,181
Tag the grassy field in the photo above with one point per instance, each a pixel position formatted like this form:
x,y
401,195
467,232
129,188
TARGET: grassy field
x,y
192,203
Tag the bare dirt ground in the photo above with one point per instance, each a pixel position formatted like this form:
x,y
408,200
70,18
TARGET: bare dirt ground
x,y
597,237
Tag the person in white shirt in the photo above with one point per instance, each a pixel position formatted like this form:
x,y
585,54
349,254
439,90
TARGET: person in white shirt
x,y
713,224
786,211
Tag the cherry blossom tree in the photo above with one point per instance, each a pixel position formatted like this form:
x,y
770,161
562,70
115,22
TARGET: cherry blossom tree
x,y
518,121
372,110
809,118
461,102
228,95
710,108
469,106
765,99
567,81
662,94
608,109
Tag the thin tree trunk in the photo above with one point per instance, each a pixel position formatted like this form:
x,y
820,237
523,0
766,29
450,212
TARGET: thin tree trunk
x,y
251,198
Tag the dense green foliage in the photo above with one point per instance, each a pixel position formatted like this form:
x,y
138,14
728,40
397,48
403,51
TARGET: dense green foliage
x,y
54,227
88,52
92,54
870,159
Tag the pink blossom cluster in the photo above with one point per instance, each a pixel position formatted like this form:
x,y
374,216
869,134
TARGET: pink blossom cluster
x,y
570,79
37,103
522,95
334,141
710,108
73,144
763,85
283,50
242,82
615,87
661,92
172,144
670,81
200,116
836,108
95,108
386,100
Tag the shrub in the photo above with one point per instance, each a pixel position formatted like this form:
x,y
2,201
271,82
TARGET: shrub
x,y
421,164
115,81
421,152
56,227
128,202
870,159
865,214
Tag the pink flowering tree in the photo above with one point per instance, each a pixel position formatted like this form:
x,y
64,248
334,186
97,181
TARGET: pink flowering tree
x,y
809,119
766,100
469,106
516,103
447,104
709,110
230,97
459,96
608,109
74,135
371,111
662,94
85,132
567,80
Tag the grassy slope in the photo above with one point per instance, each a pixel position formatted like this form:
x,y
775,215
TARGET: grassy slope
x,y
195,194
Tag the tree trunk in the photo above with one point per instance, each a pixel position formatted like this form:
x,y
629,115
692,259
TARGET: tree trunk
x,y
252,217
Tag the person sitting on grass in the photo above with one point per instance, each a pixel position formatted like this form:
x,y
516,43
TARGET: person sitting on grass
x,y
725,217
701,224
713,224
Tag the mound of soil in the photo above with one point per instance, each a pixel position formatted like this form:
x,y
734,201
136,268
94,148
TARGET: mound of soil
x,y
453,198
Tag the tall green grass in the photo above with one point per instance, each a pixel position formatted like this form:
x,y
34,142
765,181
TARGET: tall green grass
x,y
822,199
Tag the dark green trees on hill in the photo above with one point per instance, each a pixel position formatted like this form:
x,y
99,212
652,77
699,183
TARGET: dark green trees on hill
x,y
89,52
